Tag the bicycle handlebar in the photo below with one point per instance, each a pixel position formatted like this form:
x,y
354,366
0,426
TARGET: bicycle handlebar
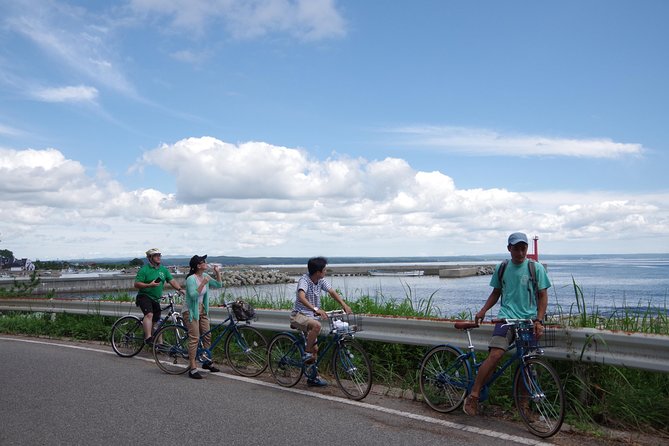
x,y
468,325
334,312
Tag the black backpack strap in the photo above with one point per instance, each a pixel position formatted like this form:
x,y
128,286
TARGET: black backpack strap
x,y
533,278
501,269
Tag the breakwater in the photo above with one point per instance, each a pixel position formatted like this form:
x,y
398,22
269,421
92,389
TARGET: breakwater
x,y
429,269
234,277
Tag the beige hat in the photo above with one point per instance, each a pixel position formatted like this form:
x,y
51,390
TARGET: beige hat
x,y
152,251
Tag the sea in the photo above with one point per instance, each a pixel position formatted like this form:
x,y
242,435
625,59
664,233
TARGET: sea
x,y
603,284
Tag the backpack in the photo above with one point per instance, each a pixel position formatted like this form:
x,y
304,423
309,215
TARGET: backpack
x,y
243,311
533,275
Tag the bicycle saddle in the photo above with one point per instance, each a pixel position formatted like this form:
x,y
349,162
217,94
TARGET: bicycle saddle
x,y
465,325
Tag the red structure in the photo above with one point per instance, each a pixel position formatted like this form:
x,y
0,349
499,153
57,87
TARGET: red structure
x,y
535,255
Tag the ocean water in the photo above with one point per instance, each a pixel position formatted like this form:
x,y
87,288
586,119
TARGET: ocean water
x,y
607,284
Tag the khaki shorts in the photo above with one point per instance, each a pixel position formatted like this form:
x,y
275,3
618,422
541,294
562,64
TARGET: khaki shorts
x,y
300,321
502,337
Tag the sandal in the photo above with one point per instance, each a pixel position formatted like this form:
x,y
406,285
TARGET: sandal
x,y
471,406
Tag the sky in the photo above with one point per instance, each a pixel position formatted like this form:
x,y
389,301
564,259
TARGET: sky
x,y
332,127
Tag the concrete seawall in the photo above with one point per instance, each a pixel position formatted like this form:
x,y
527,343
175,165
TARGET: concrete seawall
x,y
239,277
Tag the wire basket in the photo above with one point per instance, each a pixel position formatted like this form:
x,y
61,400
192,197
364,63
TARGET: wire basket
x,y
528,341
345,323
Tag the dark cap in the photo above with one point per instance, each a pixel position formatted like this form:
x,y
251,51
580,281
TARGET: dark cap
x,y
196,260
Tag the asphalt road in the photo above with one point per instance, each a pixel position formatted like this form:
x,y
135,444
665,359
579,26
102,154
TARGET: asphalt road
x,y
58,393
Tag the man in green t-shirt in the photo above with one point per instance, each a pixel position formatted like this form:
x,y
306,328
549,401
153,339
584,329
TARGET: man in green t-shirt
x,y
150,280
520,300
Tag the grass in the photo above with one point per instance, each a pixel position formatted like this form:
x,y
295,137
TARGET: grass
x,y
641,318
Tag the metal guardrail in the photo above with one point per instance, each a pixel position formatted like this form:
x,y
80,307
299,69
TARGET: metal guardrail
x,y
634,350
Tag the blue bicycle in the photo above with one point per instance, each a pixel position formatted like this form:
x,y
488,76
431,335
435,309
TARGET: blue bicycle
x,y
447,375
245,346
350,364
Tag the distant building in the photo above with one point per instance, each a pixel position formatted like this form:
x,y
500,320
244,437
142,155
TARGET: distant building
x,y
22,265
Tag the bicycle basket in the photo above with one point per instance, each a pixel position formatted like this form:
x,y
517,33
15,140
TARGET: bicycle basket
x,y
345,323
243,311
548,338
528,341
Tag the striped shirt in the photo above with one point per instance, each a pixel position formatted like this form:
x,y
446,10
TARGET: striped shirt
x,y
313,293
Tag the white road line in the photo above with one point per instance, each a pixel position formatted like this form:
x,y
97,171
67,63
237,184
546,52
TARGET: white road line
x,y
399,413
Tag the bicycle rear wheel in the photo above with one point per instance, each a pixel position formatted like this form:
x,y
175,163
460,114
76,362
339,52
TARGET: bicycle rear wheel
x,y
246,351
127,336
352,369
539,397
171,353
444,378
285,360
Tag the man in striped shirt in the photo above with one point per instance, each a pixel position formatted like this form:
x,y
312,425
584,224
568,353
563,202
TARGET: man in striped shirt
x,y
307,310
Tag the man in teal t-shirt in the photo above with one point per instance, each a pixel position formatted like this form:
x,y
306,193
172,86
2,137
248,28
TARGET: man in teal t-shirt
x,y
150,280
519,301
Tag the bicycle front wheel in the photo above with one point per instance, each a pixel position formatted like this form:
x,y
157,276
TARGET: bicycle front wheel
x,y
171,353
127,336
352,369
284,357
246,351
444,378
539,397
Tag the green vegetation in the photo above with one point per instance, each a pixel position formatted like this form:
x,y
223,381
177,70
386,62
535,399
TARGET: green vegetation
x,y
638,319
21,288
58,325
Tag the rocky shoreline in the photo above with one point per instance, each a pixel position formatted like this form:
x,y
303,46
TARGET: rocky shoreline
x,y
253,276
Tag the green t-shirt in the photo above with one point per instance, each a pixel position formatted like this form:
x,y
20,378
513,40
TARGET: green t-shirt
x,y
148,274
518,296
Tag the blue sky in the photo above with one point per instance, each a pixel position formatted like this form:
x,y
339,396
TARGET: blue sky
x,y
338,128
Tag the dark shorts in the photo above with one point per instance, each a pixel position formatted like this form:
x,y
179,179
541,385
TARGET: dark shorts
x,y
502,336
148,305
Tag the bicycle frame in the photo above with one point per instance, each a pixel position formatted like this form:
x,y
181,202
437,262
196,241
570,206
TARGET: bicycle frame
x,y
518,355
127,334
447,376
330,341
230,327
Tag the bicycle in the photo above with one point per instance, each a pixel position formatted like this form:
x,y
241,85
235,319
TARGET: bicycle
x,y
127,333
350,364
245,347
447,375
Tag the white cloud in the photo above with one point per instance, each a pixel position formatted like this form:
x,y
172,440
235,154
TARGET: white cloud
x,y
258,199
304,19
476,141
80,93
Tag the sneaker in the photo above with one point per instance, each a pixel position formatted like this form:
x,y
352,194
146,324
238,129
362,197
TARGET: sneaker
x,y
149,340
317,382
308,358
211,367
193,373
471,406
311,372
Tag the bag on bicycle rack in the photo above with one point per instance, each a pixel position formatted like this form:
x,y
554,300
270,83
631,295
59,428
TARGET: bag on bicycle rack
x,y
243,311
